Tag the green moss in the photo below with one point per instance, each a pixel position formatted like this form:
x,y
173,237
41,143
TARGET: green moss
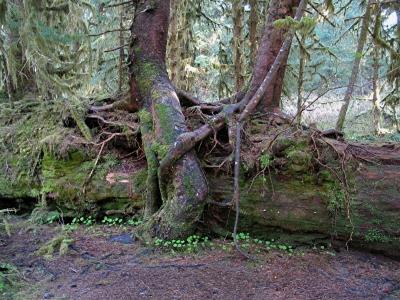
x,y
165,114
139,181
146,73
65,180
189,188
145,117
160,149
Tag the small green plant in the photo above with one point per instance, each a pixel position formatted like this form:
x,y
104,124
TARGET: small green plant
x,y
265,160
191,244
88,221
374,235
247,242
134,222
112,221
52,217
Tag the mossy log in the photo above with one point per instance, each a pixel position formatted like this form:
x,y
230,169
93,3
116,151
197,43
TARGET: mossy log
x,y
295,201
303,209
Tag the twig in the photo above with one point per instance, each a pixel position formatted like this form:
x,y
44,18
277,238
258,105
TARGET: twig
x,y
119,4
108,31
117,48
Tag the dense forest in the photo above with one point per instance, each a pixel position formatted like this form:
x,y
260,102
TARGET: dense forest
x,y
277,120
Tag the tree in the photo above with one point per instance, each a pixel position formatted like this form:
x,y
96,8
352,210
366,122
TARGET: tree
x,y
356,66
238,48
176,186
174,201
270,45
376,55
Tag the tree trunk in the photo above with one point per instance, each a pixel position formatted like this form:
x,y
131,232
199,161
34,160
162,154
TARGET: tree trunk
x,y
121,52
300,82
356,66
376,99
253,32
269,47
238,49
183,193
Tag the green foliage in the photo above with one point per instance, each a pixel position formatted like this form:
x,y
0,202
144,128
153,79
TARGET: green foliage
x,y
4,220
87,221
9,278
375,236
112,221
191,244
258,245
59,244
265,160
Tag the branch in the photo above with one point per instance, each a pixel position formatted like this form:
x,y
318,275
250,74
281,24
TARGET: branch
x,y
117,48
187,141
322,15
119,4
268,80
109,31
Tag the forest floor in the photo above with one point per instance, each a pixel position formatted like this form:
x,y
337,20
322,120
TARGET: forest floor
x,y
106,263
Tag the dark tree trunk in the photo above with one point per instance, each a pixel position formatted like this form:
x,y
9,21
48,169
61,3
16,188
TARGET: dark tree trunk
x,y
182,192
270,45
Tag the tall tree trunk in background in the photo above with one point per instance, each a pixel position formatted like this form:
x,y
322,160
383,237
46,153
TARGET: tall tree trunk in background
x,y
268,49
121,52
173,47
376,99
182,193
253,32
356,66
179,41
300,81
238,49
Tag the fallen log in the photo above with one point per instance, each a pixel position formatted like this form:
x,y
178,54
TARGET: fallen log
x,y
296,199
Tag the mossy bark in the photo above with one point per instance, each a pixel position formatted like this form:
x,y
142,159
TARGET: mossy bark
x,y
182,192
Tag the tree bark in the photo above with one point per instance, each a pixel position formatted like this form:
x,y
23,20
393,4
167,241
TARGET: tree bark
x,y
238,49
300,81
376,99
253,32
182,191
268,50
356,66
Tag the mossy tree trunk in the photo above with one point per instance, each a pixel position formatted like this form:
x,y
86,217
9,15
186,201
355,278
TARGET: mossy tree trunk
x,y
173,202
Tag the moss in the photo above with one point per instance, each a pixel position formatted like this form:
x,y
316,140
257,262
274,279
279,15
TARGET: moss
x,y
160,149
189,188
60,242
146,73
145,117
64,180
165,114
139,180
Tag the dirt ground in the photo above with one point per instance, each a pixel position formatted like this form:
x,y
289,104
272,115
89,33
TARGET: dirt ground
x,y
98,266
